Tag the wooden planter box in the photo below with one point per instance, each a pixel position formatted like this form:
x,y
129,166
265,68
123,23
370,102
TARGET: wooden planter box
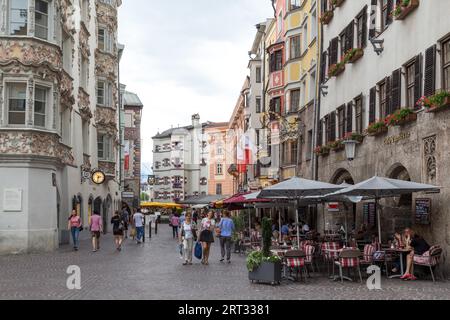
x,y
407,10
410,118
326,18
445,106
339,3
267,272
380,131
339,148
338,71
358,55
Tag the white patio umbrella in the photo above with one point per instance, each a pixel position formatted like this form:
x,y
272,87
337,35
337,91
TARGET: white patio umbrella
x,y
379,187
297,189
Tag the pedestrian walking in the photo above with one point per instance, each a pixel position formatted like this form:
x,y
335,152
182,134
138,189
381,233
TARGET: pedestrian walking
x,y
96,229
75,226
188,235
157,220
138,219
226,227
118,229
207,236
126,221
175,222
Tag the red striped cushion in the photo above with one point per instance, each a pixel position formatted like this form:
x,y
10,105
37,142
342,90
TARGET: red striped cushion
x,y
368,253
309,251
349,262
295,262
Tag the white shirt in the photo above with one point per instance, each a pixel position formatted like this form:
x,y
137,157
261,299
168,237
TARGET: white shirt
x,y
305,228
138,219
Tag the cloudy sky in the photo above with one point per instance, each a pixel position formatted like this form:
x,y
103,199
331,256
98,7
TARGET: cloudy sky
x,y
186,56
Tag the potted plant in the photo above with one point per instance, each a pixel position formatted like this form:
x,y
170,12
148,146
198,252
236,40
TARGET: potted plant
x,y
404,8
377,128
355,136
337,145
337,3
262,265
401,117
336,69
326,17
322,150
354,55
239,225
435,103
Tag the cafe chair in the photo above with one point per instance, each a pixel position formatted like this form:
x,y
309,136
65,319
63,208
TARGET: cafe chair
x,y
295,261
349,259
430,259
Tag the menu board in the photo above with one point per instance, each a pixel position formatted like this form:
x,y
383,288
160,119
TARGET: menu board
x,y
423,211
370,214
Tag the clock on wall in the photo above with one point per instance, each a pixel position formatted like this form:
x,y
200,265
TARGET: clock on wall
x,y
98,177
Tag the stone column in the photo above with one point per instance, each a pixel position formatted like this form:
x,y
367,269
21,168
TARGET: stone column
x,y
55,103
30,104
31,7
3,17
1,98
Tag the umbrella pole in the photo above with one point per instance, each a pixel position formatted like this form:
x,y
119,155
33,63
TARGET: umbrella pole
x,y
379,219
346,228
279,225
298,227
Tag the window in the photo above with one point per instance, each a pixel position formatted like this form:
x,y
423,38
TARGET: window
x,y
18,21
17,101
84,73
40,103
341,122
128,120
41,19
104,143
383,100
312,84
343,42
276,61
410,81
101,92
280,22
85,11
65,125
294,4
359,114
361,29
386,17
104,40
295,51
276,105
258,74
258,105
309,145
305,37
219,150
295,100
304,97
219,189
85,136
446,65
290,152
67,52
219,169
313,25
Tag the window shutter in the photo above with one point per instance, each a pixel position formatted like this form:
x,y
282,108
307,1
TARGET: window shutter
x,y
323,67
396,90
320,134
364,28
417,79
334,51
390,8
349,119
327,129
349,36
373,18
333,126
430,71
388,110
323,6
372,105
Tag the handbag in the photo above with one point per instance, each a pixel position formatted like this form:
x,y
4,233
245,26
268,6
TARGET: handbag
x,y
198,251
81,228
133,232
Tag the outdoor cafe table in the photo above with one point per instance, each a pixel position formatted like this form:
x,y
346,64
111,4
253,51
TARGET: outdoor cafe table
x,y
401,252
338,251
281,253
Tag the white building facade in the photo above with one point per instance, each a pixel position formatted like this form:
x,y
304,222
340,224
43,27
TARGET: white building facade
x,y
58,118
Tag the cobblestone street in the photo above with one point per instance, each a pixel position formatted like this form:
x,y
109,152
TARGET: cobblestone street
x,y
154,271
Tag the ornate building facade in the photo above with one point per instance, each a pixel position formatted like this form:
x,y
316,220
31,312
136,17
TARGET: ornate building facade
x,y
58,118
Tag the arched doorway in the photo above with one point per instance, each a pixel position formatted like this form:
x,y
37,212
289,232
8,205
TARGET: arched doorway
x,y
106,210
399,172
90,208
342,176
98,205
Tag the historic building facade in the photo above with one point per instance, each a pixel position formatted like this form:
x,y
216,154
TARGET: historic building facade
x,y
132,114
58,119
374,77
180,162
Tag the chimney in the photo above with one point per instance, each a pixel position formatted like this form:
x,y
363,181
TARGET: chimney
x,y
196,120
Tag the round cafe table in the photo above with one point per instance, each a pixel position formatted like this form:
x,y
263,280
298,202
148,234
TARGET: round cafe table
x,y
401,252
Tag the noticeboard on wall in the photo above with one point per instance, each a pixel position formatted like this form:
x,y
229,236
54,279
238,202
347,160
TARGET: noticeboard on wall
x,y
423,211
370,214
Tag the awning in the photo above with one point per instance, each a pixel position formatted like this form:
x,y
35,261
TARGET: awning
x,y
204,200
146,204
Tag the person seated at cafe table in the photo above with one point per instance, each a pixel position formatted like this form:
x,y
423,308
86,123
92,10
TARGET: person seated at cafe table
x,y
398,242
285,230
418,246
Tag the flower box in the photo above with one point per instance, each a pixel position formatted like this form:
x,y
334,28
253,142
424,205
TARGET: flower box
x,y
322,151
378,131
267,272
338,146
444,106
409,118
336,70
354,136
326,17
403,11
358,54
337,3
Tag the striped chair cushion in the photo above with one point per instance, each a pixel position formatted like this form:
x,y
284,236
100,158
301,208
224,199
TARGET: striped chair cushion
x,y
349,262
309,251
369,250
295,262
426,259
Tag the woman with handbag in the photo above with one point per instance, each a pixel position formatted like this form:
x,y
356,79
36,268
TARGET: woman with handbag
x,y
207,236
75,226
118,228
188,235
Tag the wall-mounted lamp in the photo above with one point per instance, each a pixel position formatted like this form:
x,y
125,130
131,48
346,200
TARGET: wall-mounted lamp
x,y
324,90
377,45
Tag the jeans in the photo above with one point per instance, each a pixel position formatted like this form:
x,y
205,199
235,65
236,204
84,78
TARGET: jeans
x,y
75,236
175,231
139,233
225,245
188,245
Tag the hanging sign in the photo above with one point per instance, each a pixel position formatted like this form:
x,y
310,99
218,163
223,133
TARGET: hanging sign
x,y
423,211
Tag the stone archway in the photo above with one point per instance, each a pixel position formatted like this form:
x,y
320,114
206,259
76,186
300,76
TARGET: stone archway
x,y
347,217
342,176
398,171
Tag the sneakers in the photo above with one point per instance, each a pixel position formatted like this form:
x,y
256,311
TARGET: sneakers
x,y
222,260
228,261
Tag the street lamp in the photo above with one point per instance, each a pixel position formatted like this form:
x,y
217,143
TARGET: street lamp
x,y
350,149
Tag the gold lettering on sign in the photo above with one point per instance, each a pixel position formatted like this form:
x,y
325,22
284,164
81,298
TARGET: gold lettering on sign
x,y
395,139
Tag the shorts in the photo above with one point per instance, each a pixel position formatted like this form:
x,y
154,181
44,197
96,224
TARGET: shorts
x,y
95,234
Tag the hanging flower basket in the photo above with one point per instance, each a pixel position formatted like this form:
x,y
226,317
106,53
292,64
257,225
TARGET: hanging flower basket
x,y
337,3
401,117
435,103
337,146
322,151
336,69
402,10
354,55
326,17
377,128
444,106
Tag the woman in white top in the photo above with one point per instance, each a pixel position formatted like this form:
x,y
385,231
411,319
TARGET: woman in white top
x,y
207,236
187,237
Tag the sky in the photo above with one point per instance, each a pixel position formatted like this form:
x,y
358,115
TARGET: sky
x,y
184,57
